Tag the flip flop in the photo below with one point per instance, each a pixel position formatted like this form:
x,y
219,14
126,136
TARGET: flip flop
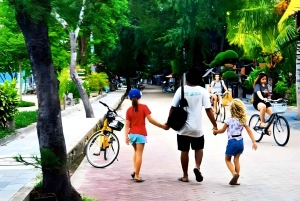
x,y
263,125
139,180
132,175
198,175
234,179
182,179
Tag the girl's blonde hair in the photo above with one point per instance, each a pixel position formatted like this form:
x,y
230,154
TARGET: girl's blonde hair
x,y
238,111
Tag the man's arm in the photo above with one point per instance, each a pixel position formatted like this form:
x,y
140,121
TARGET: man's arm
x,y
210,114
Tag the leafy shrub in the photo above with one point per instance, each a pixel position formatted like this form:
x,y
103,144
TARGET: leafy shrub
x,y
72,88
26,104
9,100
97,81
87,88
293,93
63,78
25,118
281,88
252,76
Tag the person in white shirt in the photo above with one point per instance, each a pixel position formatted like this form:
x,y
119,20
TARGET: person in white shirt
x,y
215,89
192,133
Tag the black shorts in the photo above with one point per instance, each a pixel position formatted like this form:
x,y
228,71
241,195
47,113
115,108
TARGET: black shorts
x,y
184,142
255,103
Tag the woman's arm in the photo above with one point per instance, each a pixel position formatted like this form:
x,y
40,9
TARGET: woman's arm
x,y
224,86
222,130
260,96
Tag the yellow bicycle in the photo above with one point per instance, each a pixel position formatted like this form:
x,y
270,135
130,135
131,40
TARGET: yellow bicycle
x,y
105,141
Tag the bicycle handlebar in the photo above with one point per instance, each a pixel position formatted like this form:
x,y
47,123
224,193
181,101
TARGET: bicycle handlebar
x,y
112,110
277,100
109,109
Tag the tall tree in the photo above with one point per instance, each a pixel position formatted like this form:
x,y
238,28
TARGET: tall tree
x,y
73,30
294,9
32,18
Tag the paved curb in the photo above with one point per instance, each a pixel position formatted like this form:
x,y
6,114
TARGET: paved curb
x,y
73,154
28,129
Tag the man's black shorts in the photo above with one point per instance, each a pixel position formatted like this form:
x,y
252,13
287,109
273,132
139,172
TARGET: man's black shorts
x,y
184,142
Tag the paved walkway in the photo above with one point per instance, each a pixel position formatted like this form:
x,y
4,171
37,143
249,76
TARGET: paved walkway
x,y
270,173
16,180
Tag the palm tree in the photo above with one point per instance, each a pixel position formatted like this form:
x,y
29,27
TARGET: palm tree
x,y
294,9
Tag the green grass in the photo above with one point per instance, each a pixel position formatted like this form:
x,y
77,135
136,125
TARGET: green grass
x,y
25,118
294,104
22,120
5,132
85,198
26,104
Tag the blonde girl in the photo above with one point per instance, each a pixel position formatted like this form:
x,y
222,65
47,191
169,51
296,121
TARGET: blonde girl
x,y
135,130
235,147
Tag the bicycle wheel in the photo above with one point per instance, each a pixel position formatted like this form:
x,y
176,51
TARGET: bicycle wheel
x,y
254,124
102,149
281,131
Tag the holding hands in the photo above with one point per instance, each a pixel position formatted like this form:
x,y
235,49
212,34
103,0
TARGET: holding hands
x,y
165,126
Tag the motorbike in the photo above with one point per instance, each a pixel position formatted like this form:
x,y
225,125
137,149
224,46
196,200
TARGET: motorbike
x,y
169,89
140,87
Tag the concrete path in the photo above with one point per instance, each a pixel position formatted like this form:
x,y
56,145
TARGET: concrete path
x,y
270,173
16,180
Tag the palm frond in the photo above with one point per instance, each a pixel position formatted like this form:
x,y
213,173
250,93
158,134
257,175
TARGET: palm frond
x,y
291,10
287,34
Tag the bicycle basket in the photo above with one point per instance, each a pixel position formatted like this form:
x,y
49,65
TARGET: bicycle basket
x,y
278,107
116,125
225,102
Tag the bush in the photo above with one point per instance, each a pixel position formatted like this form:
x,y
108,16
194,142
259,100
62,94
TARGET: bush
x,y
9,100
293,93
26,104
97,81
63,78
281,88
72,88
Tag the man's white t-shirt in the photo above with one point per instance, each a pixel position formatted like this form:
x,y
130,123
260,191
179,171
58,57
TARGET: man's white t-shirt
x,y
196,96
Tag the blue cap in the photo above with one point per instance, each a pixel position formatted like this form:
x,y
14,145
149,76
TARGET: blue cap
x,y
134,93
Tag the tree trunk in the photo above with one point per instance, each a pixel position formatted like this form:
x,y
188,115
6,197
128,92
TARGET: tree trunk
x,y
84,97
20,80
298,79
49,125
83,49
298,66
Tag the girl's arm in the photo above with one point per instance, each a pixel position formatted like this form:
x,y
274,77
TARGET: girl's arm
x,y
249,131
222,130
152,121
126,131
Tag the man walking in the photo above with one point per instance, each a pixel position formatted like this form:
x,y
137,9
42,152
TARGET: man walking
x,y
192,134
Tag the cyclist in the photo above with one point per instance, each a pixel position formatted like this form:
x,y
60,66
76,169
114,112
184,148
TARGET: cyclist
x,y
216,89
260,96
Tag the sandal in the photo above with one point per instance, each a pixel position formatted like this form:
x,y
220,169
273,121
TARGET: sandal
x,y
133,175
139,180
198,175
263,125
234,179
183,180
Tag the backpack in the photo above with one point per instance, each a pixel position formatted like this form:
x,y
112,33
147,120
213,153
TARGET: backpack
x,y
222,82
